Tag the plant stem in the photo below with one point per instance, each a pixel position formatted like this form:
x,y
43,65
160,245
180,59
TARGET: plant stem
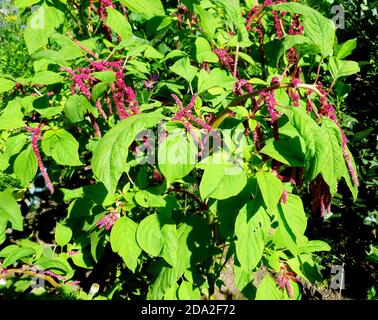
x,y
49,279
236,61
203,206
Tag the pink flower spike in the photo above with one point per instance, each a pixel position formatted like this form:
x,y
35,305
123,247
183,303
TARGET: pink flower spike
x,y
109,220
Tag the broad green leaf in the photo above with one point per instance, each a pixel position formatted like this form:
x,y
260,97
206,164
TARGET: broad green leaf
x,y
242,278
288,150
123,241
342,68
57,265
148,8
346,49
46,78
63,234
110,154
6,85
9,206
271,189
177,155
149,235
147,199
16,255
204,52
82,260
76,107
171,293
333,170
284,238
12,116
295,216
184,69
317,145
268,289
157,25
25,3
233,14
13,145
169,234
187,291
214,78
62,146
291,41
118,23
222,181
251,227
25,166
40,25
319,29
314,246
208,22
169,276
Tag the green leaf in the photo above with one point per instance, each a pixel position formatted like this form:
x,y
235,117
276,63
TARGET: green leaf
x,y
215,78
13,145
342,68
76,107
251,227
169,276
149,236
204,52
110,154
118,23
46,78
25,166
123,241
288,150
9,206
105,76
184,69
148,8
233,14
147,199
169,234
268,289
314,246
40,25
63,234
58,265
346,49
333,169
62,146
317,145
295,216
82,260
222,181
12,116
187,291
16,255
25,3
271,189
177,155
6,85
319,29
208,22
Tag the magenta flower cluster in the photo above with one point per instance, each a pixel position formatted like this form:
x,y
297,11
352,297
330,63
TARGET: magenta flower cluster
x,y
109,220
124,97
